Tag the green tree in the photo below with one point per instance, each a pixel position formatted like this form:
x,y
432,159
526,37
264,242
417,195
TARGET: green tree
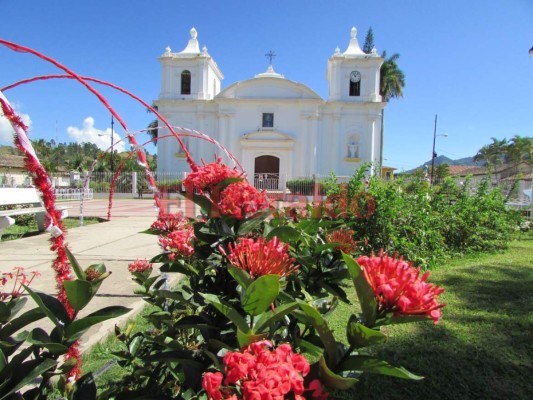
x,y
442,171
519,149
493,154
152,127
369,41
392,82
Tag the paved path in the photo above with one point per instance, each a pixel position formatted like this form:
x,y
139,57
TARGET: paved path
x,y
116,243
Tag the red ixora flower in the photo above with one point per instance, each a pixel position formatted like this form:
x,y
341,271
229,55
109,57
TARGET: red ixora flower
x,y
344,238
257,372
240,199
208,176
398,287
140,266
259,257
169,222
179,243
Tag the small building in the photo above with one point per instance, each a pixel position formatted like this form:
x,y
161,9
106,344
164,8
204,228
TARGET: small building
x,y
12,171
276,127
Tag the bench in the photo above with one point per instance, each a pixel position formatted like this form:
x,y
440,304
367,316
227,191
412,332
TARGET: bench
x,y
27,197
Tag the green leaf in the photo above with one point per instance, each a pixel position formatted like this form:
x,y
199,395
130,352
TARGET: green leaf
x,y
364,291
331,379
40,369
100,267
312,351
253,222
3,361
202,201
77,328
84,388
79,293
15,306
226,182
40,338
260,294
241,276
245,339
226,309
27,318
322,328
78,271
361,336
268,318
5,313
376,366
135,344
325,246
52,308
285,233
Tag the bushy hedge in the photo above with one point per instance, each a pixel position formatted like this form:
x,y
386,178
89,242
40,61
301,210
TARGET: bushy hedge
x,y
427,224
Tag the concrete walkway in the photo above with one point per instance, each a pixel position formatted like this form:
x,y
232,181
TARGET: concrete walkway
x,y
115,243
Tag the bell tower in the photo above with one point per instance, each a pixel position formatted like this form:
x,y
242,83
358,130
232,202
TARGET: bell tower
x,y
191,74
353,76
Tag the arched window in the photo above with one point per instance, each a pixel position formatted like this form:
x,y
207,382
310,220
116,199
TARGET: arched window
x,y
186,82
355,88
355,83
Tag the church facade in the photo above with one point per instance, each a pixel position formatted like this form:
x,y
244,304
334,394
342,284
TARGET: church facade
x,y
277,128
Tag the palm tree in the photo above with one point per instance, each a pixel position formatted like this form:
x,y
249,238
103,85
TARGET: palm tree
x,y
493,154
392,81
519,149
152,126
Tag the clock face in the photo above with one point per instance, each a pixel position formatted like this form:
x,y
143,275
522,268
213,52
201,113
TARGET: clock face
x,y
355,76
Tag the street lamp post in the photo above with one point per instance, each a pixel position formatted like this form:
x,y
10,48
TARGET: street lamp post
x,y
433,154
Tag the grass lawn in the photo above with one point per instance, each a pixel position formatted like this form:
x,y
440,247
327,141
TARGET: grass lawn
x,y
483,346
19,231
481,349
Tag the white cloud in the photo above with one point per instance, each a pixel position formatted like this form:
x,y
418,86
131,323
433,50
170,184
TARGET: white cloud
x,y
6,130
89,134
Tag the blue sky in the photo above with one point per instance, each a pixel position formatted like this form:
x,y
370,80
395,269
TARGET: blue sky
x,y
466,61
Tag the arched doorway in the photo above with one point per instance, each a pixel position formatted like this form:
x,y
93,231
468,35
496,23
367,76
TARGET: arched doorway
x,y
266,172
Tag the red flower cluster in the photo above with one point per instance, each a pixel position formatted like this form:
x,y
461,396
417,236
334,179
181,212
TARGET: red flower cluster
x,y
240,199
259,257
398,287
19,278
140,266
344,237
208,176
257,373
169,222
179,243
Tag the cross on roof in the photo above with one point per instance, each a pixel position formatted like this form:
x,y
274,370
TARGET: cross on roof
x,y
270,55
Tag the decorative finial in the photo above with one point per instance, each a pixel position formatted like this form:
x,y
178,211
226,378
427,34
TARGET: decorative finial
x,y
374,51
270,55
353,34
194,34
337,50
204,50
168,50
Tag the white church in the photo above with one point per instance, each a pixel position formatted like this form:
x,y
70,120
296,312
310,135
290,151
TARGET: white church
x,y
277,128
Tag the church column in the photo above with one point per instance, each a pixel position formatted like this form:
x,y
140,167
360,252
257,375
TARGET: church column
x,y
311,142
222,136
333,156
373,143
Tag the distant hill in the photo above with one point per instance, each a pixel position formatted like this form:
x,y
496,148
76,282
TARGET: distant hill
x,y
445,160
